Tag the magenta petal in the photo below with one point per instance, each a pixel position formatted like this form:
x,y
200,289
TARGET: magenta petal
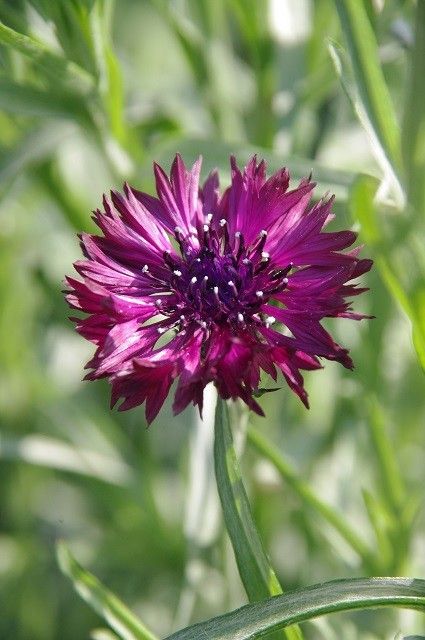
x,y
193,286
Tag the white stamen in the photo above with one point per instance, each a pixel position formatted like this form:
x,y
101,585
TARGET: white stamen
x,y
198,259
177,273
162,330
259,294
145,269
194,280
203,324
256,316
265,255
223,222
205,278
237,234
215,291
246,261
285,280
182,317
240,317
209,217
231,283
178,230
269,320
158,302
193,230
206,228
263,233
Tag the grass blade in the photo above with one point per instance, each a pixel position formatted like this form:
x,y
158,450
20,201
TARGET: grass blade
x,y
256,620
103,601
256,572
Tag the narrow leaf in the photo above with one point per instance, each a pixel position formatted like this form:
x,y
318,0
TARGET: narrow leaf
x,y
370,81
257,620
344,70
414,118
256,572
103,601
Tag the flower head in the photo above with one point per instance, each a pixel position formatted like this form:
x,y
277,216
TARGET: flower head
x,y
198,286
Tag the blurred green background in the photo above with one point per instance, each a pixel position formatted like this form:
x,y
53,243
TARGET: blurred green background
x,y
90,94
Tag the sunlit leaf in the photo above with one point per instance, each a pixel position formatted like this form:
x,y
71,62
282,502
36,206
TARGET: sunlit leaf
x,y
369,79
379,148
257,620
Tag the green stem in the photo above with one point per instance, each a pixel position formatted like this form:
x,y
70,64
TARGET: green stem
x,y
309,497
257,574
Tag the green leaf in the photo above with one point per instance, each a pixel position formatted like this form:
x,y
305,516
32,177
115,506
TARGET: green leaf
x,y
413,134
344,71
108,69
256,572
256,620
368,75
103,601
53,63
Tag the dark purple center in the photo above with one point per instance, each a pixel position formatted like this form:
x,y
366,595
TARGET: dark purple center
x,y
221,283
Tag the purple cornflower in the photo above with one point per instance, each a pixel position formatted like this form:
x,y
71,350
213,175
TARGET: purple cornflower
x,y
197,286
